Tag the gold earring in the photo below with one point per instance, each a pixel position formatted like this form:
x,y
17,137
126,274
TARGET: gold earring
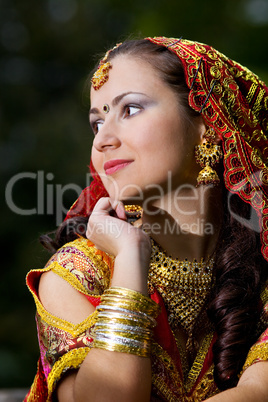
x,y
207,155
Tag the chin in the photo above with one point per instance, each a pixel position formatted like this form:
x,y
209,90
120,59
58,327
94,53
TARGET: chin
x,y
127,192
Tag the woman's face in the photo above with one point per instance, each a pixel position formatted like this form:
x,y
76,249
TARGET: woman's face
x,y
143,144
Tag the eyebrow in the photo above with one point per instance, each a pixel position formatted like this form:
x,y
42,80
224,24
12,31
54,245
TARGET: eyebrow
x,y
116,100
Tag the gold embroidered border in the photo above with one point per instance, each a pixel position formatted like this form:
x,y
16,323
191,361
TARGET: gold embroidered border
x,y
199,362
264,296
68,277
258,352
183,357
162,387
158,382
71,360
91,252
251,92
73,329
206,388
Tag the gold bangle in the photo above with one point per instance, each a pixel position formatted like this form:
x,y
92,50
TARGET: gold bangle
x,y
129,313
125,319
129,304
133,295
114,347
122,334
117,327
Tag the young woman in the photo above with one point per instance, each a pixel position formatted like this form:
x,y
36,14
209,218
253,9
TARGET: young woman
x,y
157,290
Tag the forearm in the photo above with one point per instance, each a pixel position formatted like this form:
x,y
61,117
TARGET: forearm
x,y
117,376
239,394
114,377
118,367
252,386
130,269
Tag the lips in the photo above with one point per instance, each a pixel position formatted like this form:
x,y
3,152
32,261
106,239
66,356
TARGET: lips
x,y
114,165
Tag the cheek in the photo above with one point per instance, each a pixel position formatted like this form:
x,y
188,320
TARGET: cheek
x,y
96,160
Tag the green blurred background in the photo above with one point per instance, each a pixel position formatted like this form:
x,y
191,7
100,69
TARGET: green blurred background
x,y
47,48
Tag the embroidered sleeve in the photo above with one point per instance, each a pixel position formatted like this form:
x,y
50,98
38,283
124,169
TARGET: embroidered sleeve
x,y
83,266
63,345
259,351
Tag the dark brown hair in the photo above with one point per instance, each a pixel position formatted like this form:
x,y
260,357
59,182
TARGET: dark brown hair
x,y
239,264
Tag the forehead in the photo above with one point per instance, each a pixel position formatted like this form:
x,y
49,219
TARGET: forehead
x,y
128,73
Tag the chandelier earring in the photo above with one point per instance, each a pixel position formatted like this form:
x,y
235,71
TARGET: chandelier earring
x,y
207,155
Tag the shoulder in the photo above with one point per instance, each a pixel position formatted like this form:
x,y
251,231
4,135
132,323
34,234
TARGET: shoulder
x,y
79,263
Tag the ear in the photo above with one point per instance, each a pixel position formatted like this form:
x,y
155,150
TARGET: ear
x,y
208,132
202,129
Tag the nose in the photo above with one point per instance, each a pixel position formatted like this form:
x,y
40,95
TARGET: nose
x,y
106,138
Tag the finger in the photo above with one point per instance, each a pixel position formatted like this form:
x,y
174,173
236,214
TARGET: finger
x,y
107,206
119,209
103,207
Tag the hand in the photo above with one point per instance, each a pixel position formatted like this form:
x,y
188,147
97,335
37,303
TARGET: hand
x,y
109,230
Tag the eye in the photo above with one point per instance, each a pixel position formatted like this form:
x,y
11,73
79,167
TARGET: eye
x,y
130,110
96,126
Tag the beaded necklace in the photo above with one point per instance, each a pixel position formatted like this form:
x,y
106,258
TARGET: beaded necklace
x,y
184,286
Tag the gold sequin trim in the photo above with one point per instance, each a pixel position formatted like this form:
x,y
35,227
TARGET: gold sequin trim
x,y
257,104
71,360
251,92
101,268
264,296
205,389
157,379
68,277
73,329
258,352
199,362
163,388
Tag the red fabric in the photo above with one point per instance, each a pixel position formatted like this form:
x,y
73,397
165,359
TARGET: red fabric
x,y
95,301
163,334
84,205
38,391
234,102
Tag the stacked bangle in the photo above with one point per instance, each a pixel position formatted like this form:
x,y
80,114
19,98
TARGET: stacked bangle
x,y
125,319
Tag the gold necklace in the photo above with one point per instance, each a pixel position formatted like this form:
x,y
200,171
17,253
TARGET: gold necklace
x,y
184,286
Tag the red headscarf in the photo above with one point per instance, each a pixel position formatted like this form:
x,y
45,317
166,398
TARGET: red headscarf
x,y
233,101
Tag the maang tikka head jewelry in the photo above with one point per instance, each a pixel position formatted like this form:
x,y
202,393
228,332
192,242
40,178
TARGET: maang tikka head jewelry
x,y
102,74
207,155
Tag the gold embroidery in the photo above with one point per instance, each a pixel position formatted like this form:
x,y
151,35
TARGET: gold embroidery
x,y
158,378
71,360
183,357
258,352
68,277
199,362
73,329
163,388
173,389
206,388
101,267
264,295
251,92
55,342
257,107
